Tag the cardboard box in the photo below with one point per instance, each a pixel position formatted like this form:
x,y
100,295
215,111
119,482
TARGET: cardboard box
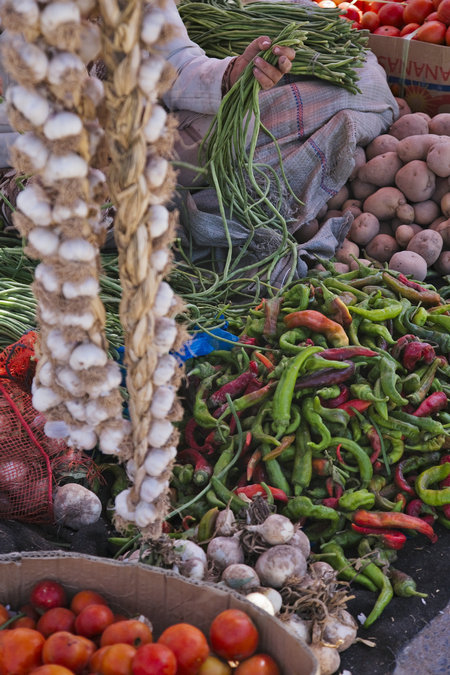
x,y
416,71
161,595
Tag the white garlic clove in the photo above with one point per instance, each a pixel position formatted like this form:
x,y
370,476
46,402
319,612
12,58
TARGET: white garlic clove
x,y
155,125
34,107
62,125
31,201
77,250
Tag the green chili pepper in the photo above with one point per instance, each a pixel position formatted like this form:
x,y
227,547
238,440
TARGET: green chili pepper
x,y
225,495
329,392
302,469
382,582
224,458
364,392
389,379
377,330
408,431
317,363
184,474
258,433
281,408
434,474
426,381
315,422
201,412
334,555
441,339
335,284
295,419
385,292
303,507
289,340
214,501
362,458
380,405
404,586
332,415
439,320
296,298
389,310
350,501
398,448
274,471
424,423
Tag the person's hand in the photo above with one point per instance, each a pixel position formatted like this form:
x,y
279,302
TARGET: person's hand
x,y
266,74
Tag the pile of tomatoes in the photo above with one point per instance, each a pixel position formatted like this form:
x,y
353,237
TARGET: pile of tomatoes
x,y
429,20
54,636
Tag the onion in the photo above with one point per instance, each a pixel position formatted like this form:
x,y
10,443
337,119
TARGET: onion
x,y
301,541
279,563
328,658
298,627
274,597
262,602
225,523
240,577
224,551
276,529
340,630
322,570
192,559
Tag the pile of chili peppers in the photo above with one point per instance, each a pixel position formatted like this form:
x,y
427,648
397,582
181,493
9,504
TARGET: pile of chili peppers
x,y
333,405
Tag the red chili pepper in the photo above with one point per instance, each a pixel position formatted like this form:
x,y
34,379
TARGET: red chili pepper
x,y
264,360
253,367
396,520
446,482
257,490
390,538
446,511
401,343
415,352
343,353
190,440
401,481
401,498
233,388
331,502
377,466
166,527
252,462
414,507
259,474
338,454
329,485
432,404
319,323
321,467
357,403
187,522
309,342
339,400
191,456
375,442
271,311
411,284
246,340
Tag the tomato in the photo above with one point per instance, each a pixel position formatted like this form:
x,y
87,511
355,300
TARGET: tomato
x,y
375,6
409,28
443,12
432,17
131,632
416,11
52,669
436,3
431,31
189,646
260,664
93,619
388,31
370,21
68,650
350,11
56,619
4,615
391,14
447,36
47,594
214,666
154,659
117,659
233,635
20,650
96,659
24,622
84,598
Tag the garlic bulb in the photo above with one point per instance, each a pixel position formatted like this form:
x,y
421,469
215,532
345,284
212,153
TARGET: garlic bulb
x,y
156,171
158,459
27,9
152,24
165,369
60,167
69,380
45,398
159,220
56,429
151,488
33,148
57,345
61,125
29,103
163,298
33,204
155,125
111,439
57,14
89,287
122,507
145,514
78,410
149,73
160,432
61,65
83,438
45,274
90,42
45,242
87,356
77,250
162,401
96,412
166,333
34,62
45,373
63,212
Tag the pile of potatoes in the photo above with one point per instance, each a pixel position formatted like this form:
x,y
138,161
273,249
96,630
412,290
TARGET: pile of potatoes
x,y
399,194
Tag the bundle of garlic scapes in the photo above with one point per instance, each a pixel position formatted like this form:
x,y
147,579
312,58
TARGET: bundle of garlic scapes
x,y
54,103
140,182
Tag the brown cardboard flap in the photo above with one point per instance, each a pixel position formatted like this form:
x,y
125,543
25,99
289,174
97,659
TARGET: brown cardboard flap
x,y
161,595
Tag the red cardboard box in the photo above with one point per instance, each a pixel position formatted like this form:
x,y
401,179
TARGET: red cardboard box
x,y
417,71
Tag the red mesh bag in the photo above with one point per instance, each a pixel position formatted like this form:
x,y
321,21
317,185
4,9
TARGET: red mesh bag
x,y
25,451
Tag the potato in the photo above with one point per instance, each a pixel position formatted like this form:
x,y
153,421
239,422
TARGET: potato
x,y
348,249
339,198
442,264
381,170
362,190
409,262
445,205
416,181
386,228
341,268
352,205
360,159
364,228
403,106
438,158
444,230
381,144
434,225
425,116
427,244
332,213
306,231
322,212
403,235
442,187
409,125
405,213
425,212
382,247
415,147
440,124
384,202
